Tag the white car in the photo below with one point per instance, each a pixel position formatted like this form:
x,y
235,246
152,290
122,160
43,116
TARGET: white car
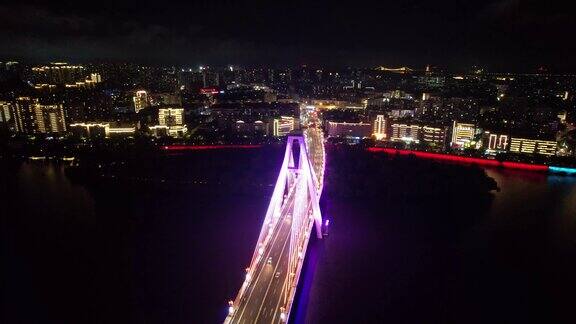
x,y
269,260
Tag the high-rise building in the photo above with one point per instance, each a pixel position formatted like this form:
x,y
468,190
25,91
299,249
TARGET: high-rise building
x,y
462,134
405,133
140,100
533,146
5,112
58,73
95,78
23,116
171,117
49,118
434,136
170,123
380,127
6,120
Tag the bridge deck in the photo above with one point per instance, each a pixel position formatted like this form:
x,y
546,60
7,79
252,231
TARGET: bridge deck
x,y
267,295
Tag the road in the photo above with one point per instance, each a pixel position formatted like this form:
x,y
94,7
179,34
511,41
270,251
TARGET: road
x,y
315,149
315,143
266,292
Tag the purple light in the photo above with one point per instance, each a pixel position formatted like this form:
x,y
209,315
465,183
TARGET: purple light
x,y
302,214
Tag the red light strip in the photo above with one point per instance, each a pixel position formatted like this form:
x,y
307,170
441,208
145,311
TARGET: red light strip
x,y
525,166
462,159
207,147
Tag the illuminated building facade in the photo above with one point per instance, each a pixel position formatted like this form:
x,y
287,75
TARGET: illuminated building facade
x,y
90,130
49,118
349,130
159,131
462,134
405,133
434,136
140,100
95,78
170,123
532,146
171,117
283,126
58,73
379,131
172,131
5,113
23,115
495,142
121,131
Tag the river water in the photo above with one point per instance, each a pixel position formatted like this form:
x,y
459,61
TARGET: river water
x,y
165,246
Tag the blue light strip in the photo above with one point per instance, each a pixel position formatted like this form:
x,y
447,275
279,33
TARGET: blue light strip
x,y
562,170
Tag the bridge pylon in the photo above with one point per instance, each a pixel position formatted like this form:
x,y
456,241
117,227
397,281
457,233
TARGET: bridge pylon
x,y
285,182
294,211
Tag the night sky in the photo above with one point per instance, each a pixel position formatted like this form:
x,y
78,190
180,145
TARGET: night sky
x,y
499,35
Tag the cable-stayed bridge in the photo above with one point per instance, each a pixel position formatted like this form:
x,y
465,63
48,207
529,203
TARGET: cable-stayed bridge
x,y
293,215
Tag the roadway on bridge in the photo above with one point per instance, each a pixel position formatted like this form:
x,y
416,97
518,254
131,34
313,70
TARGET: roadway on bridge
x,y
266,292
315,145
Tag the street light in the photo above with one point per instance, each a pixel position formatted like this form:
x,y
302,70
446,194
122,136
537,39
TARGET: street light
x,y
230,308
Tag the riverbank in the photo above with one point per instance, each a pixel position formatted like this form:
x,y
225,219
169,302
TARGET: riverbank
x,y
485,162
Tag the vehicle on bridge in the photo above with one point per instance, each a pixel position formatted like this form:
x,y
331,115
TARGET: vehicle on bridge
x,y
293,215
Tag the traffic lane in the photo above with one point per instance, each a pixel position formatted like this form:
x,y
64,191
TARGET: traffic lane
x,y
254,287
276,292
269,299
279,251
277,298
269,271
256,299
280,297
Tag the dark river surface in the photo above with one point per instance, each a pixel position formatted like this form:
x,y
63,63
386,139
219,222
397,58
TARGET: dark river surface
x,y
165,240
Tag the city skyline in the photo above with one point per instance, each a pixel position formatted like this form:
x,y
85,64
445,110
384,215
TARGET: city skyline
x,y
304,162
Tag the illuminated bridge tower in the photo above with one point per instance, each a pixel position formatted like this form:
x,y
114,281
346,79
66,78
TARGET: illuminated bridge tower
x,y
268,291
